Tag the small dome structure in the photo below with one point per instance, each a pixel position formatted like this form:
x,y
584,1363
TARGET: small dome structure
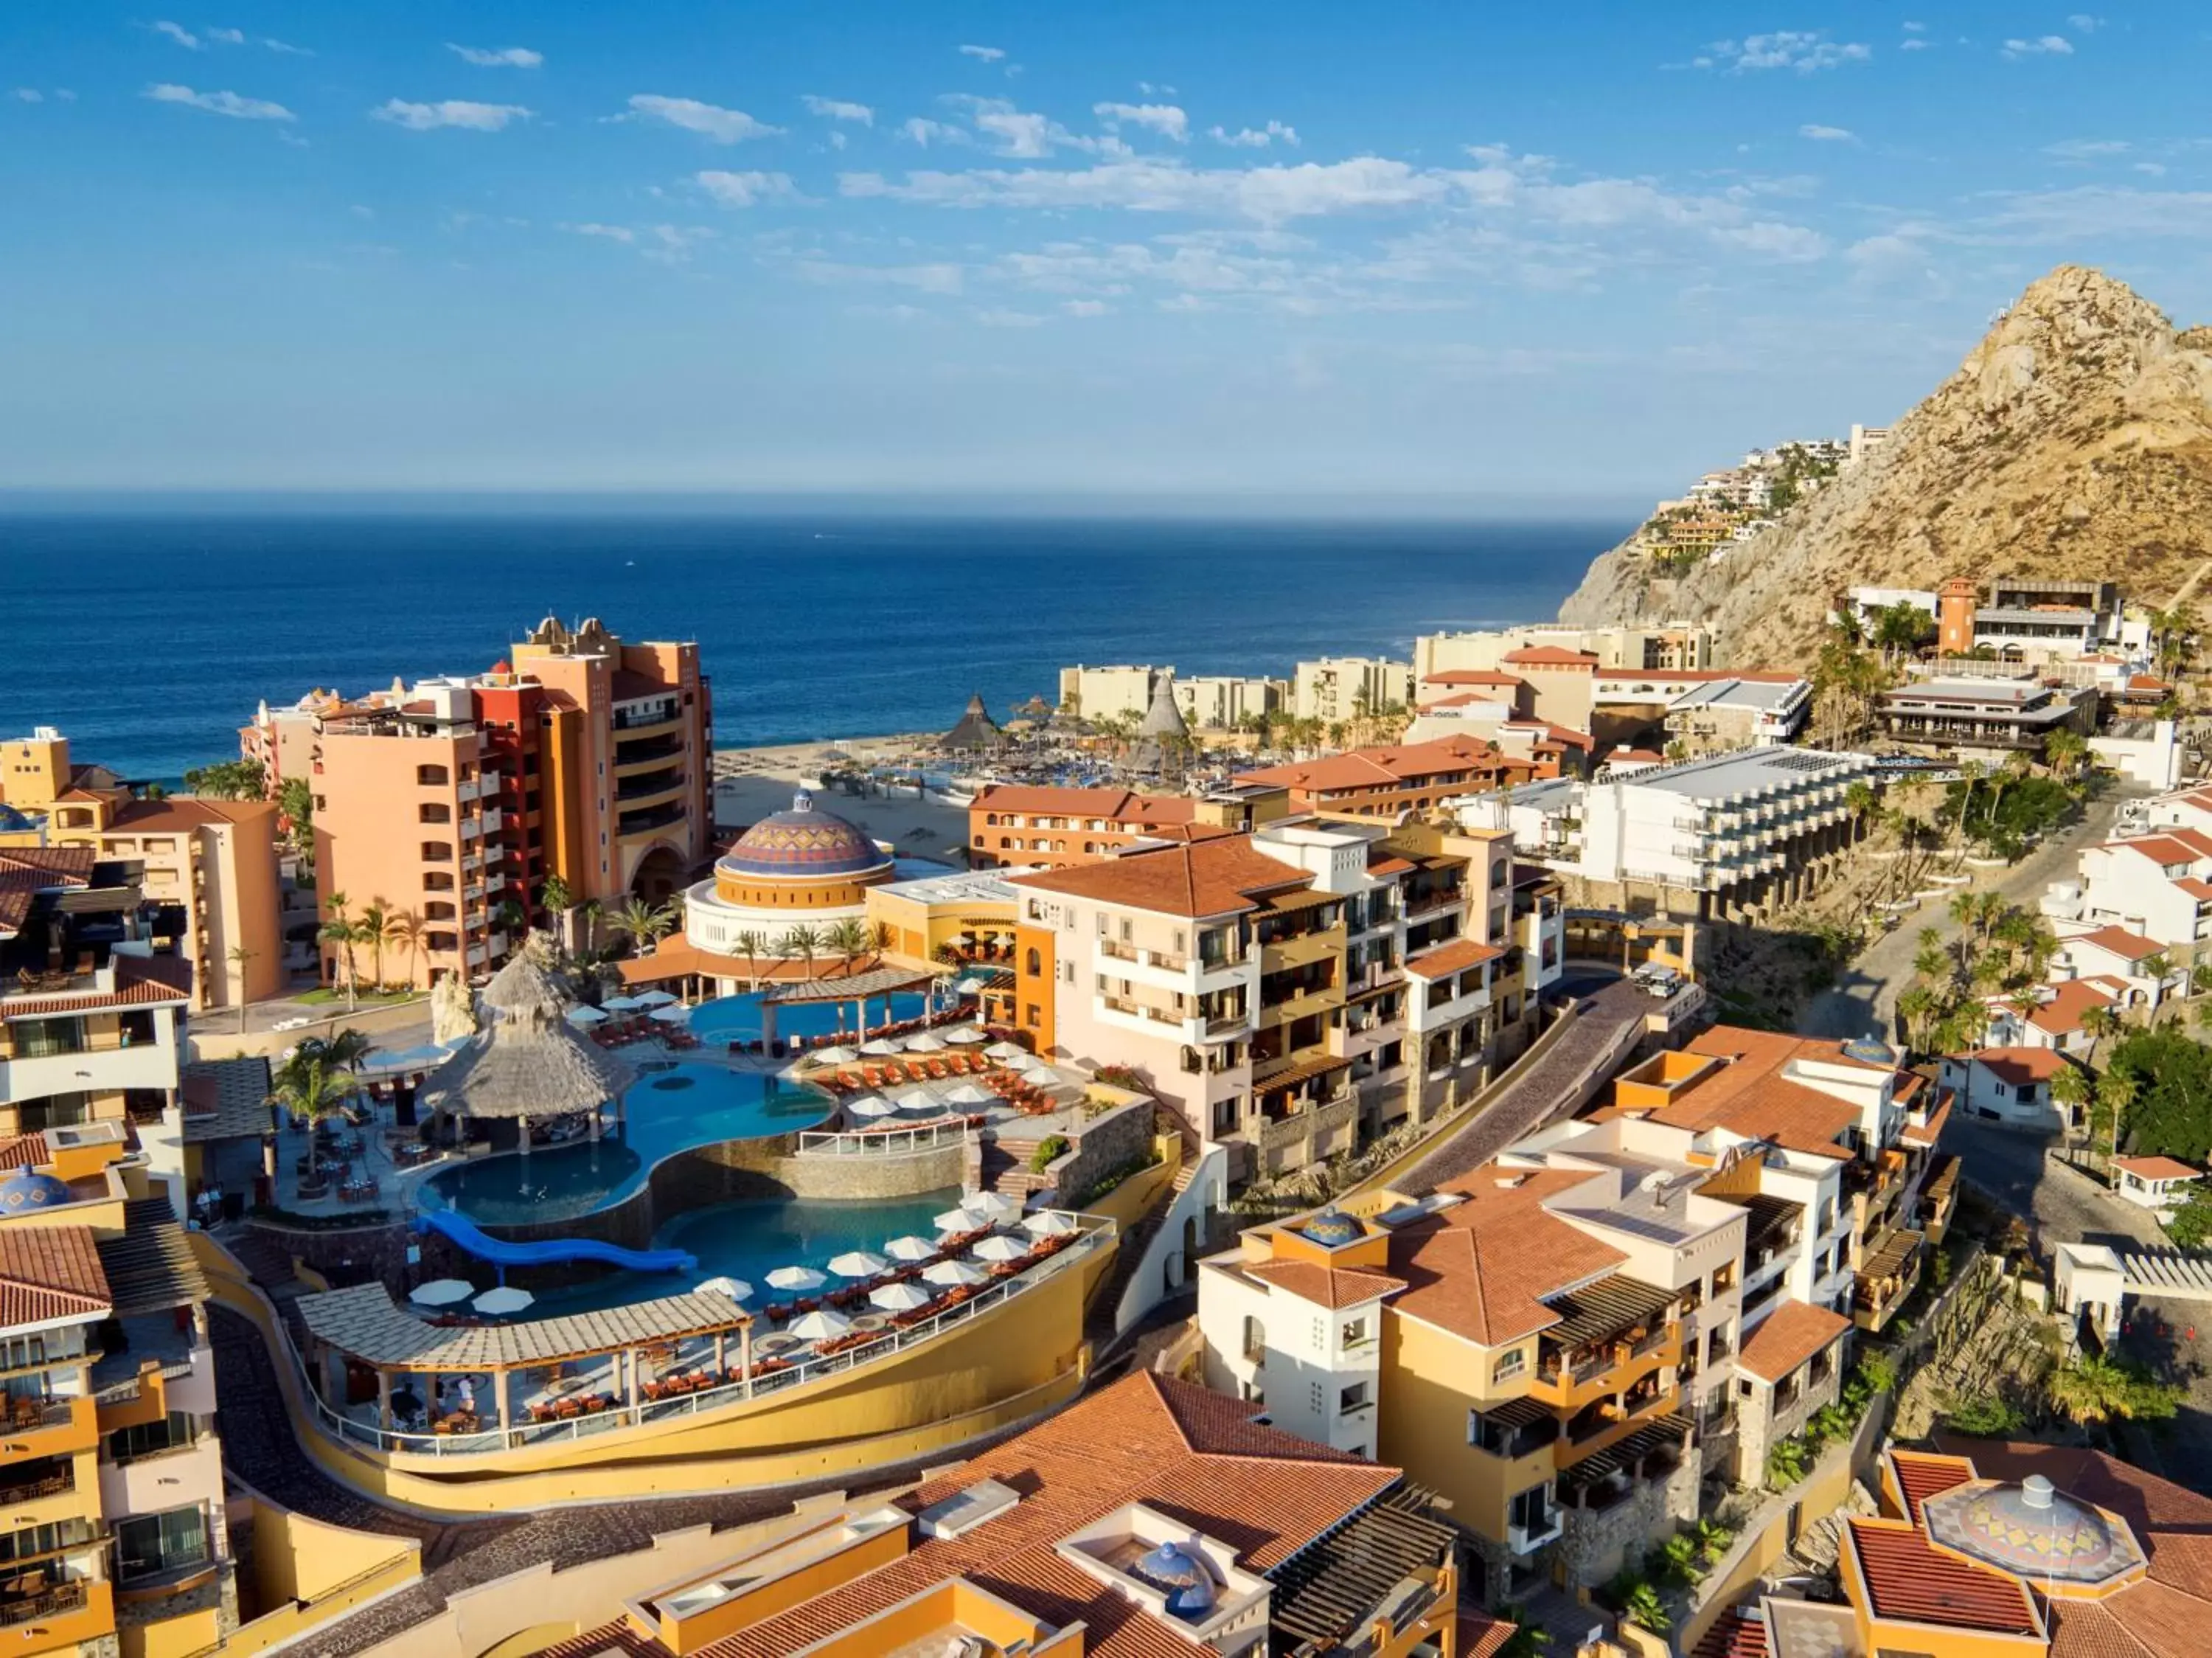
x,y
805,867
25,1189
2033,1531
1180,1575
804,842
1332,1227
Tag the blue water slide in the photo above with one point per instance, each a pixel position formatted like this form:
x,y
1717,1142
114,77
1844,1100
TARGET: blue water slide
x,y
458,1229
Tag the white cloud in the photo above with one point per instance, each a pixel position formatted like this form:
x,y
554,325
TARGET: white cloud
x,y
287,49
936,278
746,189
1086,307
2088,149
2156,169
2044,46
724,126
1916,28
221,103
923,131
1827,135
453,111
29,96
1268,194
177,31
360,212
1913,43
621,234
228,37
2082,22
497,57
982,54
837,109
1804,51
1255,137
1025,135
1165,119
1001,319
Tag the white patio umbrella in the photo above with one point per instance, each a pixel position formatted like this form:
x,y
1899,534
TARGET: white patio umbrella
x,y
503,1300
1006,1051
620,1003
820,1324
871,1105
881,1047
858,1264
796,1278
999,1246
1029,1064
910,1249
956,1220
736,1288
923,1042
970,1094
836,1056
585,1015
955,1273
653,999
992,1206
899,1297
965,1036
441,1292
917,1100
675,1013
1049,1224
398,1059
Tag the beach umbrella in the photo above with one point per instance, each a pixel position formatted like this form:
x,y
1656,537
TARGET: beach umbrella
x,y
899,1298
858,1264
736,1288
503,1300
948,1273
820,1324
923,1042
1049,1224
836,1056
653,999
675,1013
1000,1247
917,1100
796,1278
965,1036
585,1015
881,1047
871,1105
956,1220
441,1292
992,1206
620,1004
1006,1051
910,1249
971,1093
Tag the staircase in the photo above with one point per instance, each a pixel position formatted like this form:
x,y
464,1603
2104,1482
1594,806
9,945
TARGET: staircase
x,y
1098,1327
270,1266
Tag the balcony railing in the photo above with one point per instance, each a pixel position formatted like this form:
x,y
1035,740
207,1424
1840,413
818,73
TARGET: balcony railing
x,y
58,1601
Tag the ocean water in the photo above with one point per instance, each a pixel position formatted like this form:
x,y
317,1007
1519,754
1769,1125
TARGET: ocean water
x,y
149,639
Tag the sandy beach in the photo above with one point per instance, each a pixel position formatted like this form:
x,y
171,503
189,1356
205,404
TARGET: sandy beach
x,y
751,782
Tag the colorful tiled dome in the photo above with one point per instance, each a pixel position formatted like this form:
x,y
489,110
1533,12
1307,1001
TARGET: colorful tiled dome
x,y
26,1189
1180,1575
2032,1531
1333,1226
802,844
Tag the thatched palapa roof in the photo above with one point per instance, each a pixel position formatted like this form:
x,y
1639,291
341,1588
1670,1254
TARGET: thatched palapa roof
x,y
527,1062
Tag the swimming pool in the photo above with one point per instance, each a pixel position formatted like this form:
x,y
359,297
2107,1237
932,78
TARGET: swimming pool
x,y
669,1109
738,1018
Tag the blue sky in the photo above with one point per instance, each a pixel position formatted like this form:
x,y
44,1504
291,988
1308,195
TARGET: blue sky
x,y
1510,251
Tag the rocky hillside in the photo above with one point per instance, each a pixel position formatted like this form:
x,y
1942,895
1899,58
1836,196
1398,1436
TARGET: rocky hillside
x,y
2075,440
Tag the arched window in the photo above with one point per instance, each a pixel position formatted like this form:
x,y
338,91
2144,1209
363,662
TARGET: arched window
x,y
1035,963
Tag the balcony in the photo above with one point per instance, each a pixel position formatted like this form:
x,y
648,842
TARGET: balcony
x,y
650,821
53,1427
1539,1530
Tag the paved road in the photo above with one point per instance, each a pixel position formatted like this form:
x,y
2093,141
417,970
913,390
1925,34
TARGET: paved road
x,y
1863,1001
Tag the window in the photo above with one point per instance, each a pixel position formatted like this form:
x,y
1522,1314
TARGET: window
x,y
1316,1395
1035,963
1225,1116
1355,1332
1128,931
154,1545
1353,1397
434,812
1255,1339
1032,1015
55,1111
1067,972
431,777
38,1039
1508,1365
437,851
175,1432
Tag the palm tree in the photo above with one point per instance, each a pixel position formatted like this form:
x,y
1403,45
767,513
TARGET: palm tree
x,y
374,914
2063,750
802,941
2116,1092
2071,1088
588,923
2097,1024
644,923
555,895
404,930
1970,775
752,945
346,1049
2096,1387
848,938
310,1085
240,955
879,937
339,930
1917,1006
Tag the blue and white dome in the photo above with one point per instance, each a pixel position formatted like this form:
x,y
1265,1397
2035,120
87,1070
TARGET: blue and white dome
x,y
26,1189
1332,1227
1180,1575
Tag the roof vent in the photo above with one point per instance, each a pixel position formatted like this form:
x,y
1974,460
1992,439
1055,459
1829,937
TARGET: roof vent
x,y
1507,1182
965,1510
2036,1491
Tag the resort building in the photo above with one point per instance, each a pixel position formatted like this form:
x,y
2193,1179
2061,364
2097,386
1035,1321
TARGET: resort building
x,y
1865,605
2160,1184
2027,619
804,868
1987,1548
1744,710
2009,1087
1389,780
1346,688
116,1537
1668,645
1223,702
1151,1518
1047,827
207,867
1104,693
1562,682
1717,837
1983,720
2156,886
453,802
1285,991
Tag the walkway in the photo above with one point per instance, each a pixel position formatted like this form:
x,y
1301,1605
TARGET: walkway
x,y
1557,1083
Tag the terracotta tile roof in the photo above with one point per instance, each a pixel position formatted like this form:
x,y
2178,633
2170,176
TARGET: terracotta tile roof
x,y
2119,941
1449,958
1929,1135
2062,1014
1456,676
2157,1169
1735,1634
2020,1066
1386,864
1386,766
1921,1475
2194,887
1118,806
26,871
1481,1634
179,813
2169,846
1791,1334
1465,699
1192,1454
1749,1096
49,1272
140,981
1550,656
1481,1268
1205,878
1909,1579
25,1151
1324,1286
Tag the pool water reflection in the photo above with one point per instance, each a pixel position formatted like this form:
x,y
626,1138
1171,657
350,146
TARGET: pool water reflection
x,y
738,1018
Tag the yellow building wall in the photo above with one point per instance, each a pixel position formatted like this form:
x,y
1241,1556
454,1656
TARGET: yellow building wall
x,y
772,1599
1035,991
1821,1494
1430,1381
182,1637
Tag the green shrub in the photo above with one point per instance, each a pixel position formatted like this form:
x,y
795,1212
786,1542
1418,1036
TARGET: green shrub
x,y
1984,1416
1645,1606
1050,1150
1786,1463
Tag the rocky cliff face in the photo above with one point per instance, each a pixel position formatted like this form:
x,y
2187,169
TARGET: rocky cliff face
x,y
2075,440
